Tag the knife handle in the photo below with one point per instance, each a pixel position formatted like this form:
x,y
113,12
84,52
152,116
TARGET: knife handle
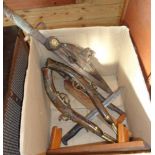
x,y
71,134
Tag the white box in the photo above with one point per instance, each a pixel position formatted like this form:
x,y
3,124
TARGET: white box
x,y
117,63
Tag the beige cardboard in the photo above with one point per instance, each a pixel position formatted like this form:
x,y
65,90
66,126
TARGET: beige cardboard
x,y
116,61
136,99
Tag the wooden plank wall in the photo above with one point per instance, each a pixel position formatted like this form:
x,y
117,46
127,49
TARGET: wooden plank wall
x,y
31,4
83,13
138,19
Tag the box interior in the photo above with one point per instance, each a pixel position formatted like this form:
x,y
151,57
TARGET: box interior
x,y
115,59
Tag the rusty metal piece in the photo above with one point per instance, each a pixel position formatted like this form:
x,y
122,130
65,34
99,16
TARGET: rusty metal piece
x,y
68,111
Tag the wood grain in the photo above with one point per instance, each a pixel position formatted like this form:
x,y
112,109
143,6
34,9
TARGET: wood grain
x,y
30,4
83,14
56,136
126,2
123,135
100,1
101,148
120,119
138,19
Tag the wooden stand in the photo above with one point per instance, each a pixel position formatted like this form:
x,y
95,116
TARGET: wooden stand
x,y
56,136
123,134
134,146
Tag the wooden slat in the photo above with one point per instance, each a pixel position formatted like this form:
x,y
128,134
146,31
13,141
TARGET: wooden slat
x,y
126,134
121,118
123,135
77,23
138,19
100,1
30,4
84,14
79,14
44,153
126,2
56,136
101,148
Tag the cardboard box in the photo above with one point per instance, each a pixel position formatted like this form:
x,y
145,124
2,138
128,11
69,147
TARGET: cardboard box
x,y
116,61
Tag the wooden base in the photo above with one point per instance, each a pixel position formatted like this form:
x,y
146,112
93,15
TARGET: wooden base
x,y
123,134
56,136
134,146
